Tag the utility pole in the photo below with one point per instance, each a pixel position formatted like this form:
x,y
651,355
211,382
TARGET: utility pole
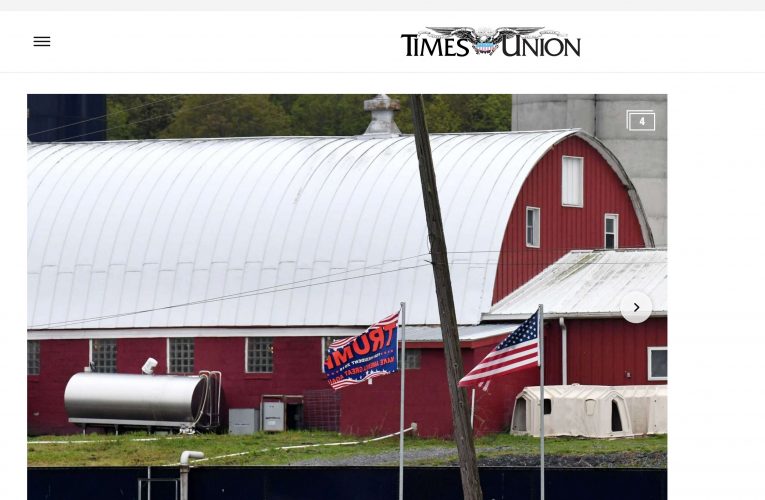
x,y
463,432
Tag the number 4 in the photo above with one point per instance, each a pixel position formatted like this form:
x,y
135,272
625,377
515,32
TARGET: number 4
x,y
642,120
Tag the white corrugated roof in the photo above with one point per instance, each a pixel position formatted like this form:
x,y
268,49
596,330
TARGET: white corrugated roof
x,y
590,283
296,231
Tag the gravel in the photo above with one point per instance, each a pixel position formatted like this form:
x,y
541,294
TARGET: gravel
x,y
497,458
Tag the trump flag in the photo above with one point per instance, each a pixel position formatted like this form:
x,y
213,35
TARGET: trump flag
x,y
518,351
355,359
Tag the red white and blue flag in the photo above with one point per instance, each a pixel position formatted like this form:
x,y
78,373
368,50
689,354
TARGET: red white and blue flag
x,y
372,354
518,351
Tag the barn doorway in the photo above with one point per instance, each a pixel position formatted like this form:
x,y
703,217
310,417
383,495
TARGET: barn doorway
x,y
293,413
519,415
616,418
295,416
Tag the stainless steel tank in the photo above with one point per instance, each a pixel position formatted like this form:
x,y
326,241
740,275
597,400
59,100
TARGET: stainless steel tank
x,y
127,399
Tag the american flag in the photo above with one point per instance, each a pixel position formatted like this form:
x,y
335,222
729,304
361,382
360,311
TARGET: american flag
x,y
518,351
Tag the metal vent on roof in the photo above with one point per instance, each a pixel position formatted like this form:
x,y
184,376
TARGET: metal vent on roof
x,y
383,109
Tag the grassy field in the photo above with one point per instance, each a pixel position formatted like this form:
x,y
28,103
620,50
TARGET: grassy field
x,y
263,449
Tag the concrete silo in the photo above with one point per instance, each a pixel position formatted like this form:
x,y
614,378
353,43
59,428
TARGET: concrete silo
x,y
642,152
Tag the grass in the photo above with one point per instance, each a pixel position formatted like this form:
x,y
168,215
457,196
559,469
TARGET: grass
x,y
125,450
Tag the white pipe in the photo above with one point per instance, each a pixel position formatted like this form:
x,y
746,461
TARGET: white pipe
x,y
186,455
185,471
564,349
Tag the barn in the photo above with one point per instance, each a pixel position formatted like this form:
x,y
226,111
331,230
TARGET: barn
x,y
245,255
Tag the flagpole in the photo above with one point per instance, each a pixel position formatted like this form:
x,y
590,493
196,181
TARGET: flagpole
x,y
401,418
472,408
541,330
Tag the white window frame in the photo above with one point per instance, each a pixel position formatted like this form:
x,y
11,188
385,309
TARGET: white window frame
x,y
90,353
563,182
650,350
169,371
247,351
537,235
615,217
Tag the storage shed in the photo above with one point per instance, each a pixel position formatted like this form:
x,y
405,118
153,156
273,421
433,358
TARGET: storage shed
x,y
245,255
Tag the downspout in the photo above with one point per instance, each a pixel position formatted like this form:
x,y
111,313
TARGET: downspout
x,y
563,349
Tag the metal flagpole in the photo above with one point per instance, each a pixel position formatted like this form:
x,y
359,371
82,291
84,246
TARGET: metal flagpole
x,y
401,423
472,408
541,333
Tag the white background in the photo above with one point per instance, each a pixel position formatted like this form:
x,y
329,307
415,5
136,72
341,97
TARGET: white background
x,y
709,64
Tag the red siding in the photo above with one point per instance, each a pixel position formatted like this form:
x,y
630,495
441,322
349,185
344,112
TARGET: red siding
x,y
59,360
600,351
297,368
604,351
374,409
563,228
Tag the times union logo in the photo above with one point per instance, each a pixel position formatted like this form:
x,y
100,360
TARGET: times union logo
x,y
511,42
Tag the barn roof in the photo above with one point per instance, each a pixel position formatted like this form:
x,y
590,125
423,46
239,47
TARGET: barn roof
x,y
272,231
590,283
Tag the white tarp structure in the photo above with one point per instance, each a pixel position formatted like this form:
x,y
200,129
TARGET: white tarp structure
x,y
573,410
647,406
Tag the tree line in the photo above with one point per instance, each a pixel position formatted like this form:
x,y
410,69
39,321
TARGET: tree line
x,y
157,116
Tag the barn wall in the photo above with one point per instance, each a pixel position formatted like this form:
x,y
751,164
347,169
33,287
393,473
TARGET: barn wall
x,y
603,351
600,351
297,368
563,228
374,409
59,360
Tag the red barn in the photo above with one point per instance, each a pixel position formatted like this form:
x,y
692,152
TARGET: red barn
x,y
244,255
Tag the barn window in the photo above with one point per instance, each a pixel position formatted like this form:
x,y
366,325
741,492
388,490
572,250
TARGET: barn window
x,y
103,355
412,361
260,354
572,185
611,231
33,357
657,363
325,342
532,227
180,355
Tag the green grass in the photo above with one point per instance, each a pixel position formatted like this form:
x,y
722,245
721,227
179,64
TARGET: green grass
x,y
100,450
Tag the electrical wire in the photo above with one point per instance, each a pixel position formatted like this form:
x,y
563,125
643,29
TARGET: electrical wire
x,y
252,293
284,287
182,110
105,116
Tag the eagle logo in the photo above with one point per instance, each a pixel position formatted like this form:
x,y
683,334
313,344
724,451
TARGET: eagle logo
x,y
483,41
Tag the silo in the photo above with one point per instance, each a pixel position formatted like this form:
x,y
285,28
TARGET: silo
x,y
642,151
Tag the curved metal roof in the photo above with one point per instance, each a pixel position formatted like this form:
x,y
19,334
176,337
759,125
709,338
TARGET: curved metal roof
x,y
280,231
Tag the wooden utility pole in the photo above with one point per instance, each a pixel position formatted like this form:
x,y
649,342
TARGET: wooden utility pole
x,y
463,433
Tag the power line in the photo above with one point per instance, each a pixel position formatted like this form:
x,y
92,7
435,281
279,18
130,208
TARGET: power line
x,y
182,110
271,289
284,287
105,116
